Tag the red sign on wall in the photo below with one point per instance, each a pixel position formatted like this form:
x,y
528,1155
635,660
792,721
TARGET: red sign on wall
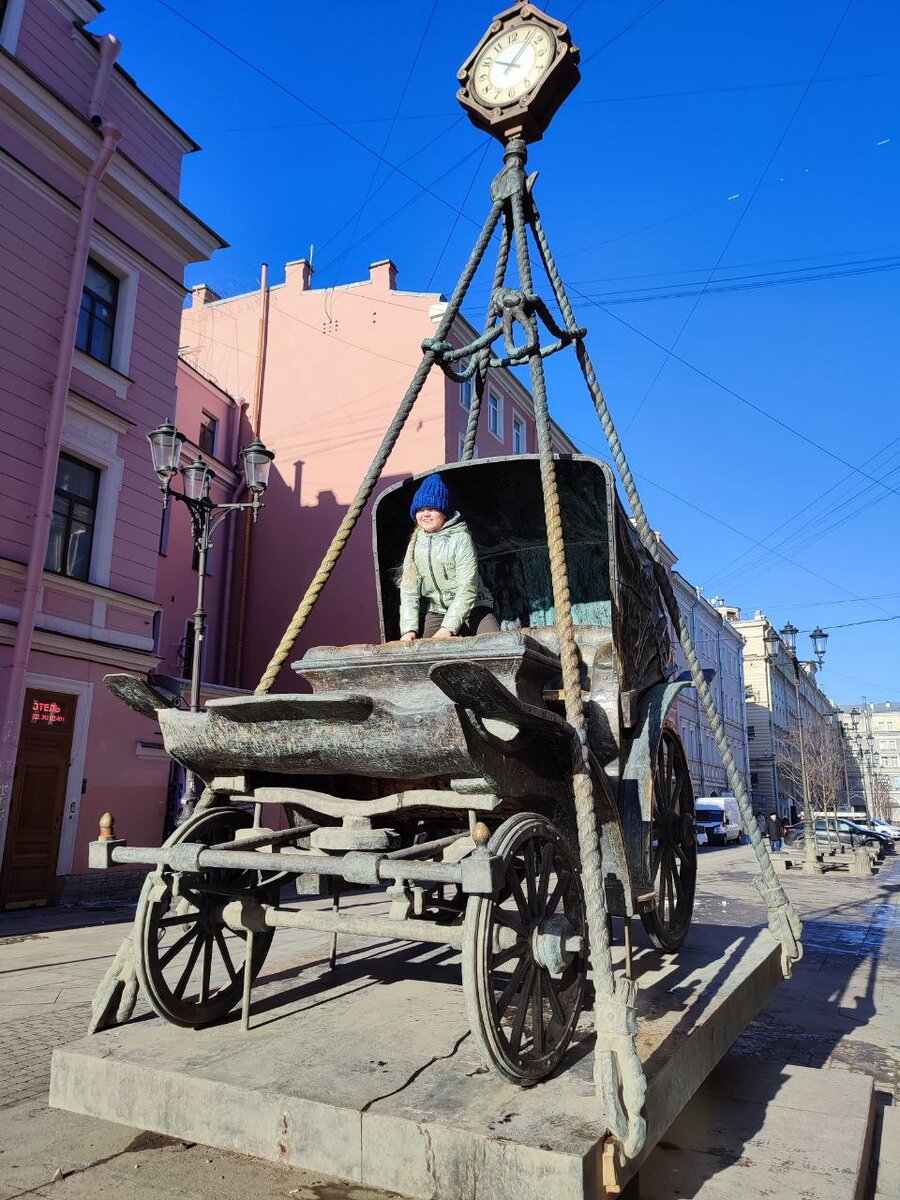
x,y
47,712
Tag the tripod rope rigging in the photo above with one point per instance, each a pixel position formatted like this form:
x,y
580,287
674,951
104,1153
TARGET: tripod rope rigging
x,y
618,1071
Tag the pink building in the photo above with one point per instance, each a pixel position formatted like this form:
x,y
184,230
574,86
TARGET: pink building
x,y
93,244
322,371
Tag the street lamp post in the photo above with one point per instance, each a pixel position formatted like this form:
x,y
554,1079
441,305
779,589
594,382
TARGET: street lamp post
x,y
859,754
206,515
810,864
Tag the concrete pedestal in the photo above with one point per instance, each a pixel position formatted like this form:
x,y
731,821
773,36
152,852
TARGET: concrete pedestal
x,y
369,1074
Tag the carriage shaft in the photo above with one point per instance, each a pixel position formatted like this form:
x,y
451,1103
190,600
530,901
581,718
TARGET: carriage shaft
x,y
479,874
243,915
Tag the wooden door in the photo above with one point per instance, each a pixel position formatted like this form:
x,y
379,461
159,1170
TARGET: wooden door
x,y
38,799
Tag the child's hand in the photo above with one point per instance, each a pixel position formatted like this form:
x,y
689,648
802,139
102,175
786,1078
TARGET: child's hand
x,y
408,637
443,633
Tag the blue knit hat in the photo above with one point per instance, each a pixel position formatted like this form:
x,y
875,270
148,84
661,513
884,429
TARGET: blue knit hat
x,y
432,493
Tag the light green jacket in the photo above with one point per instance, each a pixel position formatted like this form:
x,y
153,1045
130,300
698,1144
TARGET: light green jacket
x,y
441,568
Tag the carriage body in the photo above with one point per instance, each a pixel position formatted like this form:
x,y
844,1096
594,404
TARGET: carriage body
x,y
403,757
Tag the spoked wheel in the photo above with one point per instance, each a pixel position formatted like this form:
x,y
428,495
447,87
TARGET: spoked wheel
x,y
672,846
189,963
525,953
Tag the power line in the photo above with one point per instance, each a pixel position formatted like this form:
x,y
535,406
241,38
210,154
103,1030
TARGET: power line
x,y
624,29
733,392
327,120
428,190
475,174
354,220
745,283
743,213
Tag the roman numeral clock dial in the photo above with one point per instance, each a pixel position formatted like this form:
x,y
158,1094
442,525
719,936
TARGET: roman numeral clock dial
x,y
519,74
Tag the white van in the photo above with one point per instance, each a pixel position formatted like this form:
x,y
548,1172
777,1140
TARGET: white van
x,y
719,817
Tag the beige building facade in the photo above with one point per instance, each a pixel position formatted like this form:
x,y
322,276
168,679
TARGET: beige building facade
x,y
873,756
771,707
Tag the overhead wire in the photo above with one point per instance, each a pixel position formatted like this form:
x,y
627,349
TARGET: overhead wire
x,y
324,117
743,213
354,220
428,189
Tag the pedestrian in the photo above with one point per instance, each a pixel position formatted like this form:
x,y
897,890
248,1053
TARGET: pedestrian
x,y
441,568
775,830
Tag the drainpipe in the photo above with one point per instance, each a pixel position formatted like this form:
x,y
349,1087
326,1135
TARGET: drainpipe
x,y
40,530
109,48
255,414
237,412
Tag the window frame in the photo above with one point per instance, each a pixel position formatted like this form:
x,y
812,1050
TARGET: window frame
x,y
72,500
208,417
93,318
498,401
518,421
465,390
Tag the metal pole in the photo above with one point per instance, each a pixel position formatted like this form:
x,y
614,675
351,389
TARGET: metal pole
x,y
810,864
200,611
200,515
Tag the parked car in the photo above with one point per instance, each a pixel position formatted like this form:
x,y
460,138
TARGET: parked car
x,y
719,818
846,832
868,836
886,827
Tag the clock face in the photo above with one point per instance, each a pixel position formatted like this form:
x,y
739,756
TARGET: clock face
x,y
512,64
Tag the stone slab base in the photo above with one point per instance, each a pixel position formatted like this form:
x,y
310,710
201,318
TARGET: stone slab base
x,y
369,1073
758,1129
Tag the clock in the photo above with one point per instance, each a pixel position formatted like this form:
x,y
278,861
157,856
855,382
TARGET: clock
x,y
519,74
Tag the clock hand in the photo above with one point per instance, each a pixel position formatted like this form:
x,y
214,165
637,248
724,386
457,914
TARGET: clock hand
x,y
516,59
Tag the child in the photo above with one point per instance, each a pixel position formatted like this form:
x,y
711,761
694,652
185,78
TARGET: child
x,y
441,566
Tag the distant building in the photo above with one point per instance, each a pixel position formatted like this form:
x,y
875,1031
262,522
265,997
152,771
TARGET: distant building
x,y
93,245
873,761
719,647
775,778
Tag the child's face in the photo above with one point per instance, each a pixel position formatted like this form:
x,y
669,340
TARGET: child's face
x,y
431,519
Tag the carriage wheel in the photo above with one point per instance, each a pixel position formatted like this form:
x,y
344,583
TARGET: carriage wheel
x,y
672,846
189,963
525,953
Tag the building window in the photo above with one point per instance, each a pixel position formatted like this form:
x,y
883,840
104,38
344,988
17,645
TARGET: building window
x,y
754,779
74,516
465,394
751,732
520,444
495,415
888,744
97,316
209,433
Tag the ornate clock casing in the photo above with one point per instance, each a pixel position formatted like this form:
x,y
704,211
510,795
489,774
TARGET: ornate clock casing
x,y
528,114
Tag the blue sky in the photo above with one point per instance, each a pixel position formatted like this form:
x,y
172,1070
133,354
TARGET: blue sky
x,y
704,133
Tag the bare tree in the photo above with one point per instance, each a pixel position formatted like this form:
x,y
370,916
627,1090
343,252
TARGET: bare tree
x,y
882,803
824,764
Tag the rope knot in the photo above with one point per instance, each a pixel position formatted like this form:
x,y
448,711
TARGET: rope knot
x,y
784,924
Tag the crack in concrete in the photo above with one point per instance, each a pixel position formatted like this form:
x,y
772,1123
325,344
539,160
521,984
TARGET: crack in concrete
x,y
415,1075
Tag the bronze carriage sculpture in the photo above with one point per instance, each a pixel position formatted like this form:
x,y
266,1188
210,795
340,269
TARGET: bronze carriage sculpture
x,y
442,769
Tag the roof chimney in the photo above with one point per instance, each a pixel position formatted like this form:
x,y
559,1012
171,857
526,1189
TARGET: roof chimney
x,y
298,274
383,275
202,293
